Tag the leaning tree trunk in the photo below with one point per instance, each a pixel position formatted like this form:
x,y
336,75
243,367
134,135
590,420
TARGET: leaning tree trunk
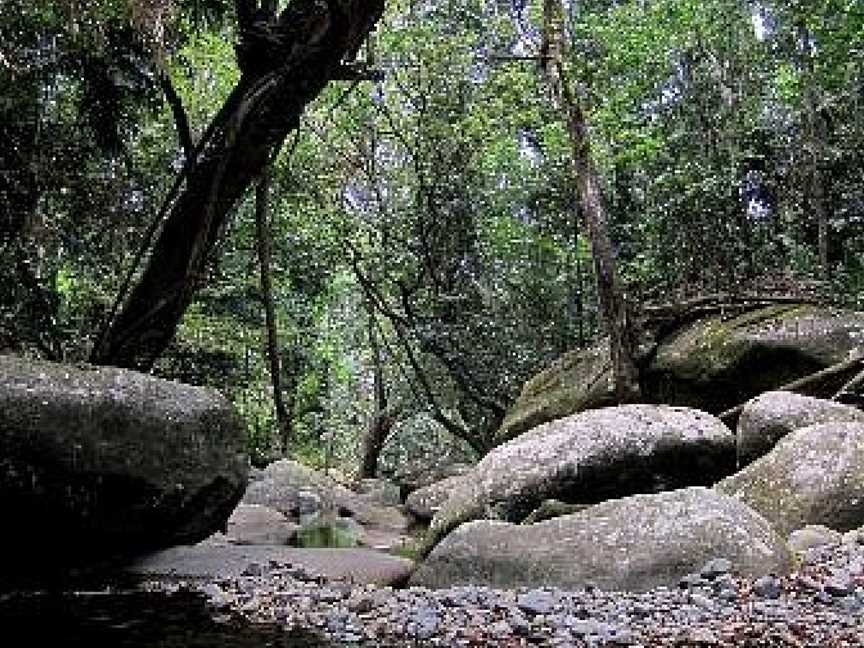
x,y
286,62
593,205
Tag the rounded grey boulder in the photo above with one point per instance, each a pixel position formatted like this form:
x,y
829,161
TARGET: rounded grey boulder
x,y
768,418
815,475
635,544
103,463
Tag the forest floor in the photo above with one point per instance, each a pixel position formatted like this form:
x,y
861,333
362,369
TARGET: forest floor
x,y
821,604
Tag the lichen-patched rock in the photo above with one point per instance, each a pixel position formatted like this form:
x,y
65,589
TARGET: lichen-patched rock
x,y
814,475
768,418
634,543
588,458
102,462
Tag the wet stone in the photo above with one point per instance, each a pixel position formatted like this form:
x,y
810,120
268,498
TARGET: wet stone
x,y
716,568
536,602
838,585
768,587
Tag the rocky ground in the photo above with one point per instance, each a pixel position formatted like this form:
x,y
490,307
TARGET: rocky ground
x,y
821,605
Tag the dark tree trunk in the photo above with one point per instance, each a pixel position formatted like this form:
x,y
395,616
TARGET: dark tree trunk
x,y
262,236
383,419
592,201
285,62
815,153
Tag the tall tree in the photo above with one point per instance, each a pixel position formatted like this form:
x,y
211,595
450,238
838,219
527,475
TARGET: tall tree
x,y
592,203
262,241
285,61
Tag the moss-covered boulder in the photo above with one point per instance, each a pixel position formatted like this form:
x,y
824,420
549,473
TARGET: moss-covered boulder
x,y
634,543
711,364
100,463
814,475
588,458
578,381
719,362
771,416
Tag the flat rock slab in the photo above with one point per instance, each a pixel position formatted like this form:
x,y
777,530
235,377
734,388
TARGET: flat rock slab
x,y
635,543
214,561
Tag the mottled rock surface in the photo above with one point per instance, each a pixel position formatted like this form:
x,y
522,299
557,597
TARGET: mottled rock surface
x,y
771,416
634,543
98,463
811,537
588,458
814,475
577,381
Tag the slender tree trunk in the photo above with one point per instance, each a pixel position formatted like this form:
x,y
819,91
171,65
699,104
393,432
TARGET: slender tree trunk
x,y
383,419
282,72
815,134
262,237
592,201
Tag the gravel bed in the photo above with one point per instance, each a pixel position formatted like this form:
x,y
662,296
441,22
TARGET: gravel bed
x,y
820,605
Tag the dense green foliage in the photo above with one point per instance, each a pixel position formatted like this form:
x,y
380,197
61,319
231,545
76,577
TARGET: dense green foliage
x,y
425,230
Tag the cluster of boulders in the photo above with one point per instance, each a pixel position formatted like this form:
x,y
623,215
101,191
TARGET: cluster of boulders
x,y
101,466
673,498
578,492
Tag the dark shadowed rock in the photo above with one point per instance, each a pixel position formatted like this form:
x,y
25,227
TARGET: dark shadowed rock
x,y
634,543
98,463
814,475
588,458
552,508
768,418
711,364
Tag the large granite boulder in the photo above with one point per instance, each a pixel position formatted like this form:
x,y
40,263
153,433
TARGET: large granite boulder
x,y
814,475
635,543
588,458
768,418
711,364
100,463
